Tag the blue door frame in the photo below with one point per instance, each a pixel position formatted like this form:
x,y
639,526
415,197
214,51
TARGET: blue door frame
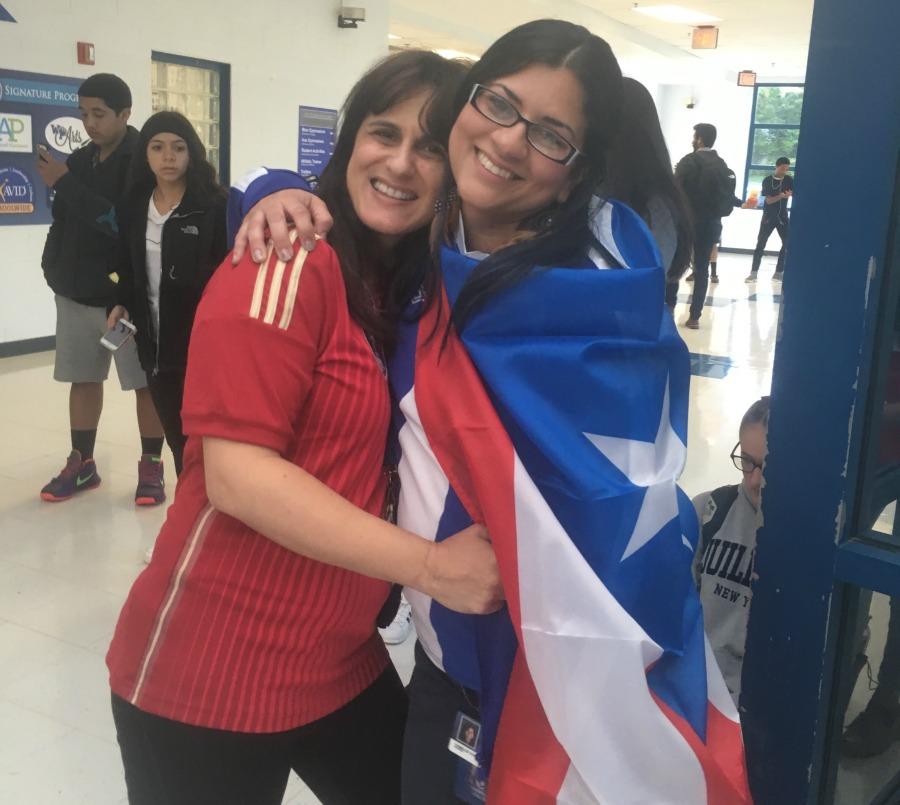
x,y
809,559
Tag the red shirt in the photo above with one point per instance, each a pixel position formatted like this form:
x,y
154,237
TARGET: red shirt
x,y
225,628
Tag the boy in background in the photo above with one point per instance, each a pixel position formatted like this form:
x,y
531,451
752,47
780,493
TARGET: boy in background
x,y
726,552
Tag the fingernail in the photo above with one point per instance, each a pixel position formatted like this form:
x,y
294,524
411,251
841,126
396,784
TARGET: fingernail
x,y
258,256
309,245
285,254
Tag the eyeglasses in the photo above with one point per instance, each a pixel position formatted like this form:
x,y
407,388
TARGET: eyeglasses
x,y
542,139
744,462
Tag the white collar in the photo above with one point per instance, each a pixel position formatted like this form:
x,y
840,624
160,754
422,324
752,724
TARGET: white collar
x,y
461,243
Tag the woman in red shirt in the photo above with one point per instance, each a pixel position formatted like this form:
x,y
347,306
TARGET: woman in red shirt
x,y
248,645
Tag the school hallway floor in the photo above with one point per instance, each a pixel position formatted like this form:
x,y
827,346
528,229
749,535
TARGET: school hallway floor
x,y
66,568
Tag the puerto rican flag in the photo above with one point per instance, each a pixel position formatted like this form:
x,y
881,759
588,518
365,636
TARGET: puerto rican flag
x,y
559,419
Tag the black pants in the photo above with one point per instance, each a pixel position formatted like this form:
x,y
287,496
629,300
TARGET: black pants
x,y
707,232
671,293
167,391
349,757
429,767
766,227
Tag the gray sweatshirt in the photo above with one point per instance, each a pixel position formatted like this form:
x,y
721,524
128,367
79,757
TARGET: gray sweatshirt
x,y
723,569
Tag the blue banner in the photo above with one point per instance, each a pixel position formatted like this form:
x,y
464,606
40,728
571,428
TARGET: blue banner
x,y
35,109
316,140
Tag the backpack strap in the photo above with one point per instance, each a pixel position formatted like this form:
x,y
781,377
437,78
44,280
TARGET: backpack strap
x,y
724,498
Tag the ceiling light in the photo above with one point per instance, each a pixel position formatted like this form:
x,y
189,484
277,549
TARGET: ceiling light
x,y
677,14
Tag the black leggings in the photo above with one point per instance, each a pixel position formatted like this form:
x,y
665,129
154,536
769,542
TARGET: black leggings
x,y
349,757
167,391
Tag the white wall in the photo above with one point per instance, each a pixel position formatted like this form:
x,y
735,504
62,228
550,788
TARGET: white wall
x,y
282,53
728,107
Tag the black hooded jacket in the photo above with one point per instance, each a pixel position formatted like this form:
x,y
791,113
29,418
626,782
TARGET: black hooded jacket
x,y
80,250
194,242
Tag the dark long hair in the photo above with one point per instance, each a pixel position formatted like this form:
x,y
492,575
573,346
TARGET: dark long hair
x,y
638,169
202,183
562,232
368,272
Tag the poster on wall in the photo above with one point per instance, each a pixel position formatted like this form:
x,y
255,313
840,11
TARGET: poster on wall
x,y
34,109
316,142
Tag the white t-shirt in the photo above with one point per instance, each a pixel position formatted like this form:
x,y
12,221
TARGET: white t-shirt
x,y
155,221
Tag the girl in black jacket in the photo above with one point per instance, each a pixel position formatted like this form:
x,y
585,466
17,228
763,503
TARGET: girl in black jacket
x,y
172,237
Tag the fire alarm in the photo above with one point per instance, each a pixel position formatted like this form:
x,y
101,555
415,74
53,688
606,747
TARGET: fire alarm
x,y
85,53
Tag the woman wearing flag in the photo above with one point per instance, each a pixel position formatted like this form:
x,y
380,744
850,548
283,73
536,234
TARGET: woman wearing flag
x,y
542,390
248,646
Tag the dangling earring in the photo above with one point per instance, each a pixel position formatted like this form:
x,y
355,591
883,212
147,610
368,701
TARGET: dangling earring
x,y
446,202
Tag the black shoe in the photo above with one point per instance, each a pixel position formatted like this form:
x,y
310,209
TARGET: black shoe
x,y
714,278
872,731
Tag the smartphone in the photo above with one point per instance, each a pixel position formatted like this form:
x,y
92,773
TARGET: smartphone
x,y
43,152
118,335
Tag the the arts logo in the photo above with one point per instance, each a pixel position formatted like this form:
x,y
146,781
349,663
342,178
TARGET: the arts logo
x,y
16,192
65,134
15,133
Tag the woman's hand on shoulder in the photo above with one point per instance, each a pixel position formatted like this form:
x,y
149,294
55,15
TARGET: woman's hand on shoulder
x,y
275,213
462,573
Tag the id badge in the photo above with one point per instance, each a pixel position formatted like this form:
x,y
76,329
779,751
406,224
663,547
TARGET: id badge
x,y
465,738
469,783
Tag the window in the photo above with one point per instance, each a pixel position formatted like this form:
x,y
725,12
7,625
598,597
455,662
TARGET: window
x,y
774,131
200,91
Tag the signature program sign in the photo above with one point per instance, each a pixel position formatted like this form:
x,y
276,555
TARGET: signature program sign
x,y
34,109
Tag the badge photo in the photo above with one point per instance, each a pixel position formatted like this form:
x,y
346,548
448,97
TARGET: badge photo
x,y
465,738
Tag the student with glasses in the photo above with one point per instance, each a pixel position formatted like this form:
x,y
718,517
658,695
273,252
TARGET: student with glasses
x,y
726,553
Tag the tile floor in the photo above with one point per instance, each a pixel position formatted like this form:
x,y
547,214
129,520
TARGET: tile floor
x,y
66,568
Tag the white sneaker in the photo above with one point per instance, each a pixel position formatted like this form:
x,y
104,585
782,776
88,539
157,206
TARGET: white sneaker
x,y
400,627
751,278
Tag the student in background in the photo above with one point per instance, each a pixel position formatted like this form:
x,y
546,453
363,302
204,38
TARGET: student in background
x,y
726,553
172,238
709,185
78,259
777,188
